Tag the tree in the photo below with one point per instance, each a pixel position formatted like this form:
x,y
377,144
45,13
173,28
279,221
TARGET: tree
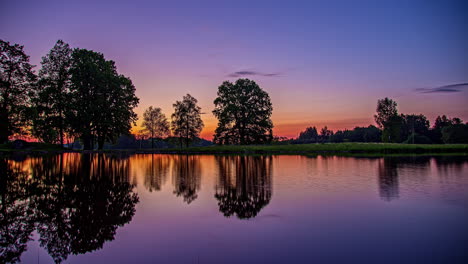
x,y
186,120
325,134
386,109
52,101
16,89
457,133
243,110
155,123
309,135
444,121
414,124
440,123
102,101
388,120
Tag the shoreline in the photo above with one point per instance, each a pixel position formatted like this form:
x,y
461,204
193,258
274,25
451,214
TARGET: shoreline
x,y
300,149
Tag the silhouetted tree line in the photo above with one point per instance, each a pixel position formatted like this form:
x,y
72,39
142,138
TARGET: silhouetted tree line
x,y
77,93
393,128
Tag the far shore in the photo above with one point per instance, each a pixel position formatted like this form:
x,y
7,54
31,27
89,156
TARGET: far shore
x,y
301,149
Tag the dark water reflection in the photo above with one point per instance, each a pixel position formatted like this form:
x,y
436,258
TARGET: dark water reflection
x,y
216,209
74,203
244,186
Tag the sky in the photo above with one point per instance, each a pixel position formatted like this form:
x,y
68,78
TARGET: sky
x,y
322,62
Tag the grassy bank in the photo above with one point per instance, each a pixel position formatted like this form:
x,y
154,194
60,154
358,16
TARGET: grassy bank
x,y
327,148
361,148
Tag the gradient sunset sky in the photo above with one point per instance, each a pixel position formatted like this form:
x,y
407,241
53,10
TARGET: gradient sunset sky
x,y
322,62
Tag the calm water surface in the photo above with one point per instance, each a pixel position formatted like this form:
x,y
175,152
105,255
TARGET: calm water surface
x,y
98,208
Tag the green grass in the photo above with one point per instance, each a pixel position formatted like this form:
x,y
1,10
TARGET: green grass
x,y
332,148
327,148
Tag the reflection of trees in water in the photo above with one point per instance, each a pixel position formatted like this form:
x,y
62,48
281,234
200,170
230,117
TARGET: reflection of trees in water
x,y
16,213
156,170
244,186
186,176
451,165
79,201
388,179
388,173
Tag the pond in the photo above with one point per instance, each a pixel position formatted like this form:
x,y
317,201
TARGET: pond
x,y
151,208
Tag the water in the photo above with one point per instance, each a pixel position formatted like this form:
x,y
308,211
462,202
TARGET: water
x,y
99,208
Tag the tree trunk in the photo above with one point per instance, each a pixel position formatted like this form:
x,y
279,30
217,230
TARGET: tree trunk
x,y
100,143
61,128
4,133
86,142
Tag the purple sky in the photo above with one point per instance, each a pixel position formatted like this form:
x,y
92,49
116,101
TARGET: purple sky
x,y
322,62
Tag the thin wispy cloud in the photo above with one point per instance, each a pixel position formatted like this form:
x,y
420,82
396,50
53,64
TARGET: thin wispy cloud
x,y
451,88
252,73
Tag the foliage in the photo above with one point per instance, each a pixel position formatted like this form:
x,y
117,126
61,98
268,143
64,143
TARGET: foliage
x,y
417,139
457,133
49,123
243,110
388,120
186,119
102,101
155,123
16,89
358,134
309,135
414,124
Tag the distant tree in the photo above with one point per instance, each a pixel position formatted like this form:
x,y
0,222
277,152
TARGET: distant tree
x,y
186,119
243,110
386,109
53,97
325,134
444,121
457,133
309,135
16,89
102,101
388,120
358,134
155,123
435,134
414,124
392,130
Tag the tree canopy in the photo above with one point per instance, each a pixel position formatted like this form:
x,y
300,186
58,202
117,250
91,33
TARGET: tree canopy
x,y
388,120
155,123
49,123
243,110
102,101
16,89
186,119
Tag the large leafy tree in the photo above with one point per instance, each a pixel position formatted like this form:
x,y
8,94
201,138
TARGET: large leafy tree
x,y
243,110
186,119
52,101
155,123
388,120
102,101
16,89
